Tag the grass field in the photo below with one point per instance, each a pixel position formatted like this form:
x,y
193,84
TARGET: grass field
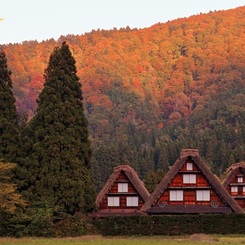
x,y
99,240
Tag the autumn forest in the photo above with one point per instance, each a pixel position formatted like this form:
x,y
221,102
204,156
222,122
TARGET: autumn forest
x,y
148,93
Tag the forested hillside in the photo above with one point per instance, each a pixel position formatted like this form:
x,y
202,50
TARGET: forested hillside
x,y
148,93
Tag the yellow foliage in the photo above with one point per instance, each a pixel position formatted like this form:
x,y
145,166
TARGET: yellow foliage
x,y
9,198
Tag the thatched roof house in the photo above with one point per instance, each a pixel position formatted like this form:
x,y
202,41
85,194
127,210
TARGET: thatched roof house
x,y
123,193
190,187
235,168
234,182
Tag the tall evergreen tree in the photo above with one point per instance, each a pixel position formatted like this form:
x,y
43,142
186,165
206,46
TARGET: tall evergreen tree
x,y
9,129
57,169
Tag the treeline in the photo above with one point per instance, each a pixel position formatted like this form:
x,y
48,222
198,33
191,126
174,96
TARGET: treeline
x,y
148,93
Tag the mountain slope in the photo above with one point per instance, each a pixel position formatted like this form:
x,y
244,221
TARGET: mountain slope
x,y
150,92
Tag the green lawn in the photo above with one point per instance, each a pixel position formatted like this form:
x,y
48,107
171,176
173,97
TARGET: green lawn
x,y
98,240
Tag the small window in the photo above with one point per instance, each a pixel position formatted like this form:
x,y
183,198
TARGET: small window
x,y
240,179
132,201
243,190
203,195
122,187
189,166
113,201
177,195
234,189
189,178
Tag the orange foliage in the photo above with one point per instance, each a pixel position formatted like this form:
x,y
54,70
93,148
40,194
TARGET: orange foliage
x,y
174,66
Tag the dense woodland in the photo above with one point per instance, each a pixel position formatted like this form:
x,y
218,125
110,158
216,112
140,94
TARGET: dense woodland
x,y
150,92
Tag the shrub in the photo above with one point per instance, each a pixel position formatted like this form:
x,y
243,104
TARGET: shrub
x,y
172,225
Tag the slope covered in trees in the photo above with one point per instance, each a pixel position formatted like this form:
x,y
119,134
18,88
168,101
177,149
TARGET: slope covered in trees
x,y
149,93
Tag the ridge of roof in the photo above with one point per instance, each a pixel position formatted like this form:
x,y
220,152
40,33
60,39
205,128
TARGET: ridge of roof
x,y
212,179
235,166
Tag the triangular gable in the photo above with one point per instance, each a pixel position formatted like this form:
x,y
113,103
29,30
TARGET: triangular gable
x,y
151,205
234,182
133,178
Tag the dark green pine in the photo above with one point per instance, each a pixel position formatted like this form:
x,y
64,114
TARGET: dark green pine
x,y
9,129
58,171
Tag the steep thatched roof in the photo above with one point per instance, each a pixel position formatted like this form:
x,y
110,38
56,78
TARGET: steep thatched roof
x,y
132,176
233,170
211,178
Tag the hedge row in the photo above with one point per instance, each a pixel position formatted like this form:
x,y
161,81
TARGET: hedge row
x,y
78,225
172,225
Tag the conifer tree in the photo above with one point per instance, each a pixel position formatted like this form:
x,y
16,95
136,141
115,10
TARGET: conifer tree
x,y
9,129
57,169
